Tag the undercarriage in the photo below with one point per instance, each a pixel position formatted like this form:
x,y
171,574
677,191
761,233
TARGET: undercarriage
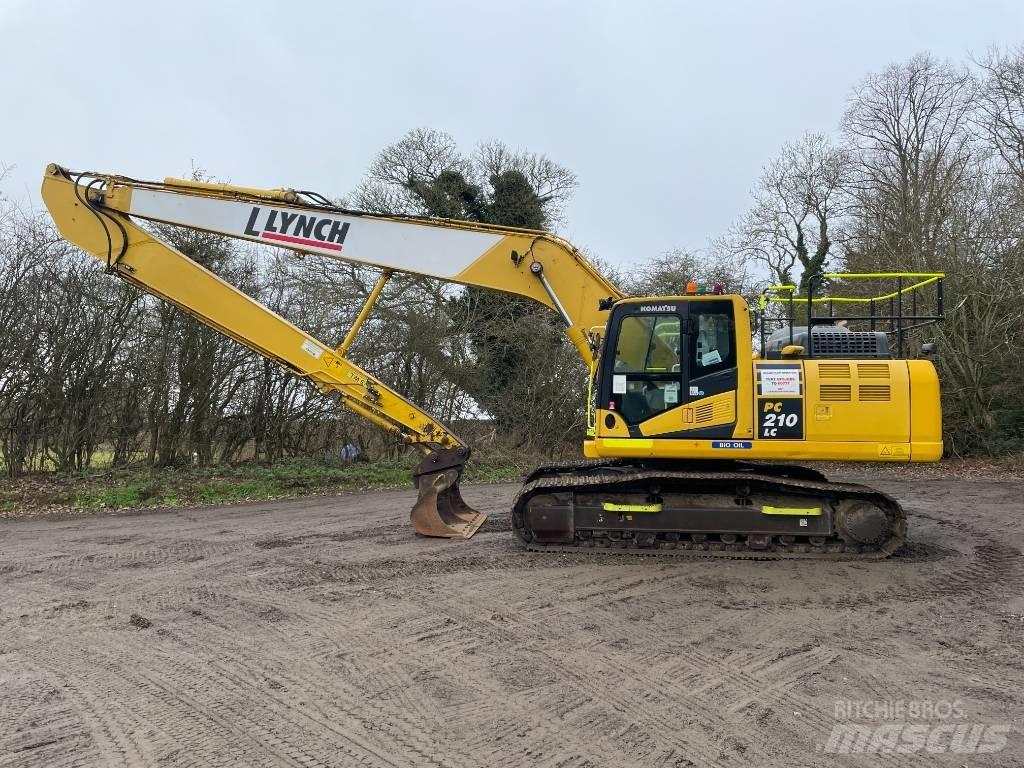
x,y
704,509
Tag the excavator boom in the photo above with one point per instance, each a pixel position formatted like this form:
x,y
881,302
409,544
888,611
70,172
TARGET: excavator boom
x,y
98,213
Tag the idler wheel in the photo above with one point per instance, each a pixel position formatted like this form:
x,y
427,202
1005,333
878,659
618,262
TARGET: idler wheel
x,y
863,523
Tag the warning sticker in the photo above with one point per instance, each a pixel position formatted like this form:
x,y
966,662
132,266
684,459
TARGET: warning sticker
x,y
779,381
312,349
618,384
894,451
672,392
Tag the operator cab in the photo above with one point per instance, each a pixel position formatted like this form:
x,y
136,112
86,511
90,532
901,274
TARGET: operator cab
x,y
663,353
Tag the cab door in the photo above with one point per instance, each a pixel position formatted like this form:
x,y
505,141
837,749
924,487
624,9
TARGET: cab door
x,y
646,374
710,366
711,349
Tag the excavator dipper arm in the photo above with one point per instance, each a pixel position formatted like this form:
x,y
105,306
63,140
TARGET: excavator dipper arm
x,y
96,212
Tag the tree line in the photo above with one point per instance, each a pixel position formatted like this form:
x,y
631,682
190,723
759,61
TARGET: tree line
x,y
925,173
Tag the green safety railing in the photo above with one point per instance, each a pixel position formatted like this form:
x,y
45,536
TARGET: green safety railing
x,y
900,318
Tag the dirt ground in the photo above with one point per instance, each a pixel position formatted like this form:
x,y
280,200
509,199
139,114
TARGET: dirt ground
x,y
322,632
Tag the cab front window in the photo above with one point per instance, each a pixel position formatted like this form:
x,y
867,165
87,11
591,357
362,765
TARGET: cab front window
x,y
647,372
648,344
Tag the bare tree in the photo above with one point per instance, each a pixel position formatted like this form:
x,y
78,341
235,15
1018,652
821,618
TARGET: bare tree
x,y
1001,105
909,128
796,203
422,154
553,183
506,352
668,273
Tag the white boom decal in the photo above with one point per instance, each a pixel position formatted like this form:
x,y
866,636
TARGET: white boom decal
x,y
404,246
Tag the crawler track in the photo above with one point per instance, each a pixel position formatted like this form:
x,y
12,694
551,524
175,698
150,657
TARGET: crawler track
x,y
710,510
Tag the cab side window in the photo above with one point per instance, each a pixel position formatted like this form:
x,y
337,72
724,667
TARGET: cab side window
x,y
712,347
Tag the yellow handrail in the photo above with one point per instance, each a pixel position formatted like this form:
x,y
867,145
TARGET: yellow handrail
x,y
591,412
930,277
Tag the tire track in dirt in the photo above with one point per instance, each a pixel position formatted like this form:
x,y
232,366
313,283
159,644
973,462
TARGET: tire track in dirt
x,y
245,665
607,683
767,676
130,558
656,680
108,730
343,640
434,636
212,717
756,682
993,570
40,725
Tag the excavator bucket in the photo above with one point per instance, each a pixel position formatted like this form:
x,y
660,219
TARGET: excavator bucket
x,y
440,509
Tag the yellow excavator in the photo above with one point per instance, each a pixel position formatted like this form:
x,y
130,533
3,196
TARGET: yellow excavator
x,y
685,420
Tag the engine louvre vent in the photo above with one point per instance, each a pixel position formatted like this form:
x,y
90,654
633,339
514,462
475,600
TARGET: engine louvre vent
x,y
834,392
834,370
828,341
834,342
874,393
705,412
873,370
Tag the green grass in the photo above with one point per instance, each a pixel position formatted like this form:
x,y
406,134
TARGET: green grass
x,y
492,473
109,498
140,487
238,491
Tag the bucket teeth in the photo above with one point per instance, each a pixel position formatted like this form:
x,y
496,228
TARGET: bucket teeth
x,y
440,509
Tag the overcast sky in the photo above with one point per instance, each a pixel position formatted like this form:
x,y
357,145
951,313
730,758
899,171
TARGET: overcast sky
x,y
665,111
